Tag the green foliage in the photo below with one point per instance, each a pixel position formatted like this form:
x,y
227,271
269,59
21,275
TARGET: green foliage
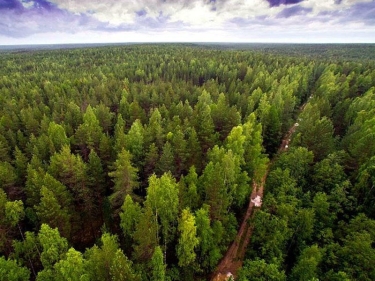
x,y
328,173
363,188
259,270
72,267
134,136
203,121
8,175
298,161
14,212
108,262
315,132
162,199
188,190
307,265
129,216
11,271
166,161
57,136
96,175
270,237
134,142
145,235
27,251
50,212
208,254
89,132
188,239
255,162
122,269
20,163
54,247
70,170
124,177
158,266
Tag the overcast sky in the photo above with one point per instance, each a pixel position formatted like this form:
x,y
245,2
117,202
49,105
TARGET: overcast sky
x,y
95,21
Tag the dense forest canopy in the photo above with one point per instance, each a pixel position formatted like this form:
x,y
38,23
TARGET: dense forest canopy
x,y
135,162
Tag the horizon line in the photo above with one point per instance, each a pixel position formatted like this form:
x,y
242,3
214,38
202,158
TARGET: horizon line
x,y
190,42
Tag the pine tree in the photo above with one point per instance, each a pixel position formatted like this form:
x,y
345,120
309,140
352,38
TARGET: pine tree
x,y
124,177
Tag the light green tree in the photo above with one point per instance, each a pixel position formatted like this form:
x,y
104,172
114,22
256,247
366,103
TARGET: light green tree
x,y
129,216
158,266
121,268
14,212
134,142
72,267
57,136
54,247
188,240
108,262
208,252
162,198
11,271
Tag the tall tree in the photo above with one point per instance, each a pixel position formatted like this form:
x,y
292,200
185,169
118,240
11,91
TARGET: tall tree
x,y
203,123
158,266
56,134
72,267
52,213
70,170
166,162
124,177
119,134
105,262
54,247
11,271
307,265
96,179
134,142
162,198
188,240
129,216
88,133
122,268
145,235
208,252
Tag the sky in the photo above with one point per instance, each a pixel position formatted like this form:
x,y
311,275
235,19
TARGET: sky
x,y
117,21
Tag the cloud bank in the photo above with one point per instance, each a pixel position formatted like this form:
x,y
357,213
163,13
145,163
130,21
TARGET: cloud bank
x,y
186,20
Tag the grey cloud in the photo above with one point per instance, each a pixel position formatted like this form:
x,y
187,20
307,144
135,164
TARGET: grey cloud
x,y
274,3
364,12
360,12
144,22
293,11
10,5
156,15
17,21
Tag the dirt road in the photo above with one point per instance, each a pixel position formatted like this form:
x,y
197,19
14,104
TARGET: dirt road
x,y
233,259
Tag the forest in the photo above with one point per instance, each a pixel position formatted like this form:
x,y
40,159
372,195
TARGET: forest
x,y
136,162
